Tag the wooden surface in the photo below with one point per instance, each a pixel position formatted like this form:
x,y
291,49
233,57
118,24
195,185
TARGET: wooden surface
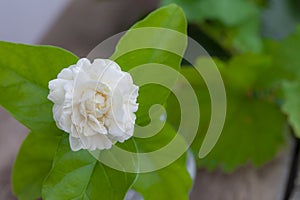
x,y
83,25
247,183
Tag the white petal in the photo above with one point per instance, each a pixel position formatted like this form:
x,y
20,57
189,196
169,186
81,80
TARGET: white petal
x,y
75,132
88,131
66,74
95,125
101,141
75,143
111,75
57,93
57,112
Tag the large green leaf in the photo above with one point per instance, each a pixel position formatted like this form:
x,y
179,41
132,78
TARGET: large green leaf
x,y
171,182
78,175
24,75
33,164
253,130
151,42
291,104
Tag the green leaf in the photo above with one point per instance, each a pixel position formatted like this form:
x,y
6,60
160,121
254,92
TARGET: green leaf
x,y
151,42
78,175
24,75
171,182
291,104
253,130
33,164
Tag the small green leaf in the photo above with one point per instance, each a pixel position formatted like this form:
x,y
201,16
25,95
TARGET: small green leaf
x,y
24,75
171,182
33,164
78,175
151,42
291,104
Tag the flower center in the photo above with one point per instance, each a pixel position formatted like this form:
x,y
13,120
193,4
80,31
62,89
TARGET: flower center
x,y
101,103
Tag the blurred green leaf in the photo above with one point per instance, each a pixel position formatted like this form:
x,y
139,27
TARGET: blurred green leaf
x,y
207,42
291,104
24,75
78,175
234,24
261,3
285,74
171,182
33,165
253,131
150,41
246,37
229,12
247,72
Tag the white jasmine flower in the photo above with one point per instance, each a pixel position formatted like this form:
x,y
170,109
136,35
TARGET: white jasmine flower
x,y
94,103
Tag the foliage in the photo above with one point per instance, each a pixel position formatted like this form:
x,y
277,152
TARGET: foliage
x,y
292,104
253,129
36,156
24,75
234,24
158,184
76,175
261,77
46,166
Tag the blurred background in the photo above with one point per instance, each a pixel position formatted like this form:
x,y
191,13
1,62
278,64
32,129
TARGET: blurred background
x,y
80,25
28,21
